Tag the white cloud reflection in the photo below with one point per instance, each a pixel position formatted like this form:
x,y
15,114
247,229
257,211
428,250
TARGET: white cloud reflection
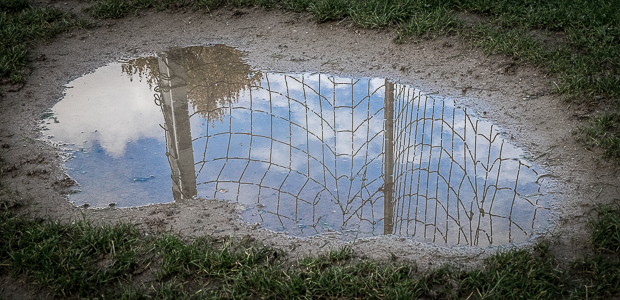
x,y
107,107
305,135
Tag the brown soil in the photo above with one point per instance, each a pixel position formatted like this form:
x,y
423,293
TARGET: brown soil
x,y
520,99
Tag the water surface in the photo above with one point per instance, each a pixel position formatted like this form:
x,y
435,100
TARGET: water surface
x,y
302,153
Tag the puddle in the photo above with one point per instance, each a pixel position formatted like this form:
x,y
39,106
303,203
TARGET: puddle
x,y
302,153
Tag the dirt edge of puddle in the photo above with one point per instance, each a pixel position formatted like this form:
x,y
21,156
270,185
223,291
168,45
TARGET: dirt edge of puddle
x,y
518,99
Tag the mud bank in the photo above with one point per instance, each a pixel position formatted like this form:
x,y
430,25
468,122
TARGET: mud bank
x,y
519,99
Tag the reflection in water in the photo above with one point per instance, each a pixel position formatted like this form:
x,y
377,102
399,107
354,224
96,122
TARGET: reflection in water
x,y
208,79
173,102
313,153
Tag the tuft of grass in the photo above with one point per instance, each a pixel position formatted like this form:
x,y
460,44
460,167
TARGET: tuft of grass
x,y
517,274
14,5
514,42
438,21
210,5
604,132
120,8
77,259
296,5
82,260
600,273
585,58
606,229
20,25
335,257
115,9
332,275
202,258
589,61
329,10
377,14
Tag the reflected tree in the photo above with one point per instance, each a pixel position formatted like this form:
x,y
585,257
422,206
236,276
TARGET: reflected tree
x,y
318,153
209,79
214,76
146,68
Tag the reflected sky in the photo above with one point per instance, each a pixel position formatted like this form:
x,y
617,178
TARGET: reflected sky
x,y
302,153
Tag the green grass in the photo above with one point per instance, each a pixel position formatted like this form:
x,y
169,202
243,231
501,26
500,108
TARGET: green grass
x,y
87,261
519,274
21,24
603,132
75,260
606,230
81,260
601,272
585,61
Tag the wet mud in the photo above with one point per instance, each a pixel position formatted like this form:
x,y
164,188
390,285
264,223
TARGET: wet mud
x,y
304,154
287,152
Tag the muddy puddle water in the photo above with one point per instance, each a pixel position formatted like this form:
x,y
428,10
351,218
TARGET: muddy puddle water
x,y
301,153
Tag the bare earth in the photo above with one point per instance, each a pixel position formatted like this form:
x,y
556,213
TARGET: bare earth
x,y
520,100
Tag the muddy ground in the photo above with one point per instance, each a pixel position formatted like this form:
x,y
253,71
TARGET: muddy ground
x,y
520,99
